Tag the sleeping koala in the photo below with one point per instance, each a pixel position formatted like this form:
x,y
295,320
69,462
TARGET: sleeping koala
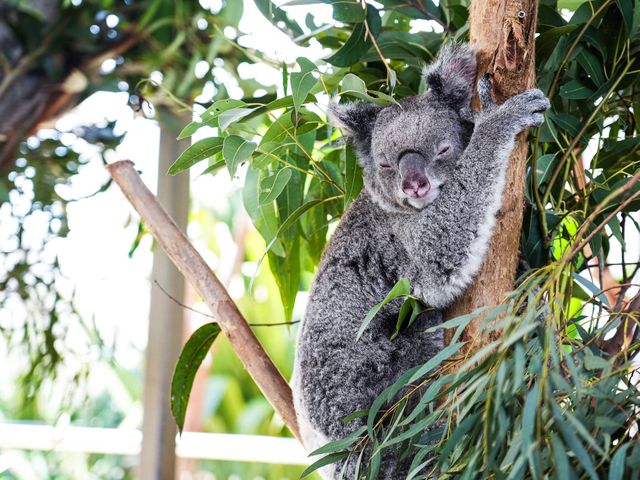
x,y
433,174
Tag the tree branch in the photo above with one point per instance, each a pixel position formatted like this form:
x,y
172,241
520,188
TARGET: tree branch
x,y
623,337
178,248
503,35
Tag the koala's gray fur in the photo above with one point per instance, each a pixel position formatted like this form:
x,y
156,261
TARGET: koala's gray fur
x,y
437,241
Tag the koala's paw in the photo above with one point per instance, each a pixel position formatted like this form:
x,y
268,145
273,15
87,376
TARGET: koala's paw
x,y
526,109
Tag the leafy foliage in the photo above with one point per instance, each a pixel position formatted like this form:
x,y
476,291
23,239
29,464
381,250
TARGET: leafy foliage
x,y
547,397
535,402
31,269
59,53
299,178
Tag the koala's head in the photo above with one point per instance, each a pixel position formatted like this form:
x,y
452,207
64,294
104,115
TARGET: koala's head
x,y
408,151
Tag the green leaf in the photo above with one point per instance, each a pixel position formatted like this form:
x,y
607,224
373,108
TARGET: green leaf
x,y
410,377
339,445
291,219
352,416
352,83
614,153
590,64
405,309
616,469
400,289
348,11
593,362
278,17
529,418
193,353
352,50
544,168
415,308
214,167
271,187
228,117
357,44
626,9
575,90
302,82
353,177
263,216
459,432
210,116
584,433
201,150
547,41
462,320
236,150
573,442
4,193
286,271
594,289
435,361
560,456
518,367
329,459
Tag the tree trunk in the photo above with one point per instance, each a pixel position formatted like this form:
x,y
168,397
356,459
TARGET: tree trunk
x,y
166,319
503,34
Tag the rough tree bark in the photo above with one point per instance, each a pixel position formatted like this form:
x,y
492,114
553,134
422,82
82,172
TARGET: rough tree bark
x,y
503,34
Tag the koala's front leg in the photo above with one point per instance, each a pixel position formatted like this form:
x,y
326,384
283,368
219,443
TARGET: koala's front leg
x,y
482,166
455,231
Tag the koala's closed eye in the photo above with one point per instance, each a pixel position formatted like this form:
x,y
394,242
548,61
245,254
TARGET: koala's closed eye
x,y
443,149
385,164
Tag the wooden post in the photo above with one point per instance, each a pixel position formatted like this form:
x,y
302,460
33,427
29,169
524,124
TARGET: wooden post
x,y
158,458
502,32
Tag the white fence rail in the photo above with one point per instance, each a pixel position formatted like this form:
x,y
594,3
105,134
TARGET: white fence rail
x,y
120,441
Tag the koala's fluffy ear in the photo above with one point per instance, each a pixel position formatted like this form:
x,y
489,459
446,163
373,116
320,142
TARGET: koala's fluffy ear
x,y
451,76
356,120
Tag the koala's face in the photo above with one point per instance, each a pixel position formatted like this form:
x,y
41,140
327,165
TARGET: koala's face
x,y
414,148
408,151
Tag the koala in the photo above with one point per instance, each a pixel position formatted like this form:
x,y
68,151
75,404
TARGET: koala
x,y
433,178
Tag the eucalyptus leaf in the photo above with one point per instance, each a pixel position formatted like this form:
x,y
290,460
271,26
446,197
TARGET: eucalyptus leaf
x,y
209,117
201,150
193,353
302,82
271,187
575,90
402,288
229,117
236,150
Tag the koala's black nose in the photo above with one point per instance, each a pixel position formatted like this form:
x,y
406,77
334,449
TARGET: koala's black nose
x,y
415,182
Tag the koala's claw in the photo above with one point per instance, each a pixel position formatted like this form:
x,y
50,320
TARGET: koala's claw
x,y
484,93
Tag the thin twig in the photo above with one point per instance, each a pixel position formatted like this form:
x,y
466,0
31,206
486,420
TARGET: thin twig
x,y
420,6
578,136
625,187
191,309
367,33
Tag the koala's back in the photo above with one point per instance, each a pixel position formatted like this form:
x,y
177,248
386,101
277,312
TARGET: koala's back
x,y
336,374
